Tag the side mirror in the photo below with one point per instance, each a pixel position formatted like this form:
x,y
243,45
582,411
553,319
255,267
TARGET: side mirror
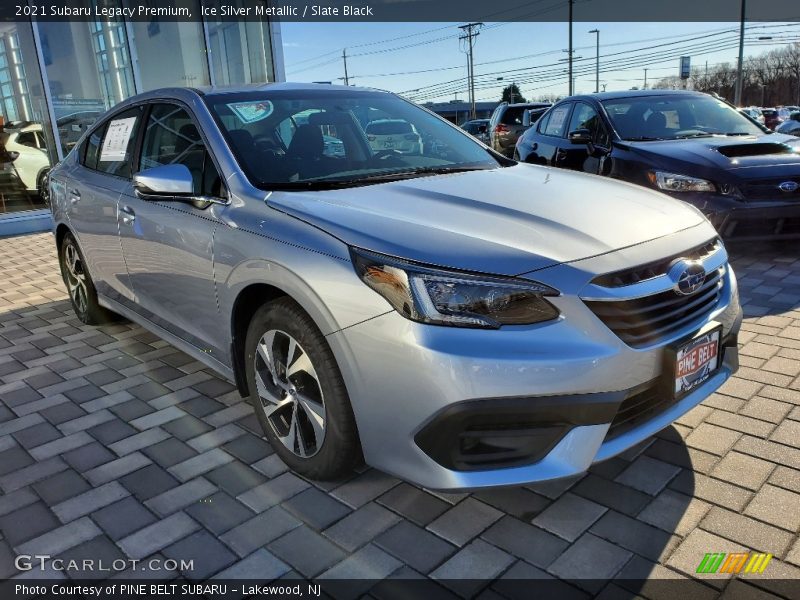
x,y
580,136
170,182
482,129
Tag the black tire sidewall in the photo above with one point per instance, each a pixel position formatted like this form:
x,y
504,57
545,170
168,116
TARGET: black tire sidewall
x,y
94,313
340,450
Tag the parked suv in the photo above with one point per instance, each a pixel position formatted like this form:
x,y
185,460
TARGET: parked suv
x,y
509,121
695,147
453,317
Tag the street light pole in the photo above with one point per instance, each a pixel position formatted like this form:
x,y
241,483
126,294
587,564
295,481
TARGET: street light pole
x,y
645,78
737,97
597,61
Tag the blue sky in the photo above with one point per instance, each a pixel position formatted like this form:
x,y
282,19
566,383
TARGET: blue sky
x,y
390,55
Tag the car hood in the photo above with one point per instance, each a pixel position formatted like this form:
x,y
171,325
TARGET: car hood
x,y
739,157
507,220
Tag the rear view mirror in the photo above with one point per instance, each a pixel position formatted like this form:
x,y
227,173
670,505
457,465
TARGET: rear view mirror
x,y
580,136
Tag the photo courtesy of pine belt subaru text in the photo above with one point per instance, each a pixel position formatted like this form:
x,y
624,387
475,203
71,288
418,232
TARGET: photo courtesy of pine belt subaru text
x,y
423,304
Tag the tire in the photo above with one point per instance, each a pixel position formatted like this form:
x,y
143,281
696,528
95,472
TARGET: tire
x,y
310,403
41,187
81,290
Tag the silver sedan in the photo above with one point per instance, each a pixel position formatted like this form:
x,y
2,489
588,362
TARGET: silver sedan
x,y
449,316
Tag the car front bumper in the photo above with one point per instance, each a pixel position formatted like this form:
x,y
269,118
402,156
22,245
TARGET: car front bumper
x,y
738,220
414,388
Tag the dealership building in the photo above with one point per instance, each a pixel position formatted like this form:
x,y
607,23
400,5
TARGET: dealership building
x,y
56,78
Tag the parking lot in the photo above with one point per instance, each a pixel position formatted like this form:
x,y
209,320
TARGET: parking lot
x,y
114,444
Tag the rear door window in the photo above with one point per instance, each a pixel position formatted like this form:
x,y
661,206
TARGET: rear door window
x,y
119,139
556,124
513,115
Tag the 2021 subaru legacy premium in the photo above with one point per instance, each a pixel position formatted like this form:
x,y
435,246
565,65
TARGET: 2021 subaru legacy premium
x,y
445,314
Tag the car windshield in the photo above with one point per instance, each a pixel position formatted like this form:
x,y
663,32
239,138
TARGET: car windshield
x,y
671,117
317,139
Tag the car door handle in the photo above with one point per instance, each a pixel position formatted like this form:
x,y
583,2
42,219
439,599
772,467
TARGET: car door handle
x,y
74,196
127,215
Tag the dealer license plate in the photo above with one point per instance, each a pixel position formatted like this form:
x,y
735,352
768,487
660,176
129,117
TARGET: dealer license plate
x,y
696,361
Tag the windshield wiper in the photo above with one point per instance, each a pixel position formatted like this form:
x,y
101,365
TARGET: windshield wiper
x,y
643,138
332,184
694,135
738,133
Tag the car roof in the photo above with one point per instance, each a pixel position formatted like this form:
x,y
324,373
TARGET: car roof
x,y
633,94
22,126
189,93
529,105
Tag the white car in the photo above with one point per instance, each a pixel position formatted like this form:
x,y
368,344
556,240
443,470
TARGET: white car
x,y
394,134
32,162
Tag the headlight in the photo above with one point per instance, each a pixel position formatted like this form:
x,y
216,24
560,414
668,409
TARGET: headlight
x,y
430,295
672,182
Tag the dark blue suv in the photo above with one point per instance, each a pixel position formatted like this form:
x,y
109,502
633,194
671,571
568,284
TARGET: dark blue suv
x,y
690,145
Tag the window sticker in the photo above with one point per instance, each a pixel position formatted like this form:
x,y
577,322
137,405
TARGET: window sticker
x,y
250,112
115,142
557,120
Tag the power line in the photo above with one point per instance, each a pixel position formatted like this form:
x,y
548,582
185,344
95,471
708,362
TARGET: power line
x,y
619,64
446,87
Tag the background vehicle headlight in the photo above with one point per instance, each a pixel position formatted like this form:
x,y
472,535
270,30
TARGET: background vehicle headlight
x,y
439,297
673,182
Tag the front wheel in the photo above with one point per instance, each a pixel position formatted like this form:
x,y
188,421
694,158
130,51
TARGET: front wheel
x,y
298,393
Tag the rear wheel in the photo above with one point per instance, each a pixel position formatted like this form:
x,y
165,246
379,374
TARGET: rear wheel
x,y
298,393
80,287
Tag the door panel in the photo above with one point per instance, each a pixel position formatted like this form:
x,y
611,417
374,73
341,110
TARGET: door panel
x,y
168,245
93,189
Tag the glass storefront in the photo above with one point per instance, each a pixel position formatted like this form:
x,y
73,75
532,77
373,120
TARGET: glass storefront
x,y
57,78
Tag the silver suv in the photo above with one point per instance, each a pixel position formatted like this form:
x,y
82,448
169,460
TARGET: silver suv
x,y
449,316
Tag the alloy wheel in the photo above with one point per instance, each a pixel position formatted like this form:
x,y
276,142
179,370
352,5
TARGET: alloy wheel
x,y
75,277
290,393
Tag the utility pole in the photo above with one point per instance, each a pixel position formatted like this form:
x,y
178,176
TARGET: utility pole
x,y
470,33
597,63
571,87
645,78
344,58
737,97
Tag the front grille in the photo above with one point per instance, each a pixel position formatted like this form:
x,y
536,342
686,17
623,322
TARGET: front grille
x,y
767,189
643,321
766,228
639,408
654,269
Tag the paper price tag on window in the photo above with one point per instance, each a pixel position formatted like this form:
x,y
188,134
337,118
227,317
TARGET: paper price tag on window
x,y
557,120
115,142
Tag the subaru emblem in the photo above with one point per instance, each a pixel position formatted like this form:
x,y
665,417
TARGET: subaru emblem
x,y
688,276
789,186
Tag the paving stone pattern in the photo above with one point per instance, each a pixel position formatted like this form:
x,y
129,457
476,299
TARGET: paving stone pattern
x,y
113,443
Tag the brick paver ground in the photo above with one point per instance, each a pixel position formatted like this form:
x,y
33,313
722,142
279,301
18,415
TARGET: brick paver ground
x,y
113,443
